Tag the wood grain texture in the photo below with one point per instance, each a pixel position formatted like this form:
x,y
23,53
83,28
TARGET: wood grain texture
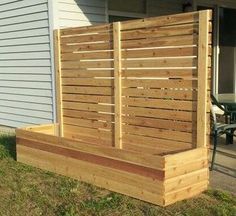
x,y
57,59
118,84
203,62
133,102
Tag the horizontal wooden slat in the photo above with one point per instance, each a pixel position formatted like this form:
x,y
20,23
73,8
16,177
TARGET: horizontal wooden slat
x,y
163,52
171,84
75,73
175,160
161,93
153,145
86,55
85,98
87,64
46,129
187,179
88,107
160,113
87,82
189,40
87,139
161,21
87,115
181,73
160,133
186,192
156,63
87,38
160,103
86,47
87,123
160,31
90,132
83,133
189,166
88,90
85,30
159,123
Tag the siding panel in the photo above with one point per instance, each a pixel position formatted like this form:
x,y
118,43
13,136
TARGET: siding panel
x,y
25,18
24,11
15,91
24,33
25,63
27,55
26,98
28,48
25,105
24,112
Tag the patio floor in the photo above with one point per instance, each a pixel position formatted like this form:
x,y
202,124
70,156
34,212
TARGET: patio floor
x,y
224,174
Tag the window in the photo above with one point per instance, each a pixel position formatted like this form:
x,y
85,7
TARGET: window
x,y
118,10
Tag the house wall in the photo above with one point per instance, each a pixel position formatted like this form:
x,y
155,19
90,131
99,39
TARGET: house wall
x,y
72,13
222,3
25,63
160,7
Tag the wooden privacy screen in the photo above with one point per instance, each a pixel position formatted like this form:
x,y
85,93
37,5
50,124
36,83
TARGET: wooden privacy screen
x,y
132,97
137,85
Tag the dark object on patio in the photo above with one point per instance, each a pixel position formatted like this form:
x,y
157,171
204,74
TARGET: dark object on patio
x,y
219,129
230,117
232,110
229,112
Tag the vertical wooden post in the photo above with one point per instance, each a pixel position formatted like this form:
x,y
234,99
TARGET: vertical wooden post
x,y
118,84
57,59
204,18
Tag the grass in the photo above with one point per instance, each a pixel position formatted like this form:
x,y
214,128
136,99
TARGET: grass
x,y
25,190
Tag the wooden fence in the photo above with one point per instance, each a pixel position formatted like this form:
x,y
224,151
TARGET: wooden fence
x,y
132,108
137,84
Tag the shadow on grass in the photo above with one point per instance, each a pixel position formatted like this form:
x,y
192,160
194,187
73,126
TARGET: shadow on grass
x,y
7,146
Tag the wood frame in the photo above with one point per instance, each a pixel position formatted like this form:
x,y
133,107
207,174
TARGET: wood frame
x,y
118,84
141,161
202,77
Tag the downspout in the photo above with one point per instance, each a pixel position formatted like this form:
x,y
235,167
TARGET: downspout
x,y
53,24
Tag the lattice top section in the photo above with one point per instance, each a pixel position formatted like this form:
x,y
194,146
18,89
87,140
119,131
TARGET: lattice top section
x,y
135,84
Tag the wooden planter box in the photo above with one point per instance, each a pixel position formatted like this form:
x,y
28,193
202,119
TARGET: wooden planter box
x,y
132,108
161,180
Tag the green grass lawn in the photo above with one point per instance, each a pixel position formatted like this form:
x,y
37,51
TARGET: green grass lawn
x,y
25,190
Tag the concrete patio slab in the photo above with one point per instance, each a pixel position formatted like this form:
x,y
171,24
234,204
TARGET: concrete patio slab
x,y
224,174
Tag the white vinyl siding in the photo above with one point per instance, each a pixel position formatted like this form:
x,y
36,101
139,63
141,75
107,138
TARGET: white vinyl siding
x,y
25,63
81,12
